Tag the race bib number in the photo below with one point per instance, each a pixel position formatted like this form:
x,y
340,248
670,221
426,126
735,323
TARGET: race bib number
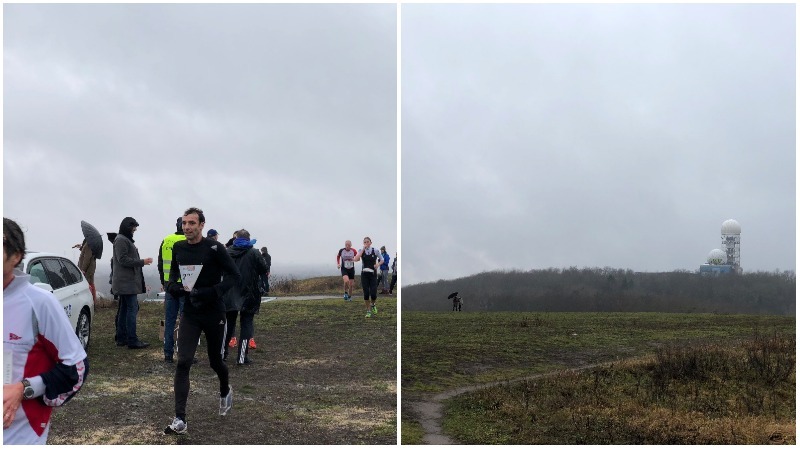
x,y
349,264
189,275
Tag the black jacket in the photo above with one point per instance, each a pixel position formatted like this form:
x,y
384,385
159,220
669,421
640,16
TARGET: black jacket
x,y
267,259
245,295
208,289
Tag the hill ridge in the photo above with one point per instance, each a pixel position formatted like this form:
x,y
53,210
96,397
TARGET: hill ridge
x,y
610,290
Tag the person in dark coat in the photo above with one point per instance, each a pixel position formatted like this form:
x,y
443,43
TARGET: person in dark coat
x,y
394,274
265,278
127,280
245,296
119,338
457,303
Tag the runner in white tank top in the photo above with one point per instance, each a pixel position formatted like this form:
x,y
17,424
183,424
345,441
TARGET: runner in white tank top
x,y
345,261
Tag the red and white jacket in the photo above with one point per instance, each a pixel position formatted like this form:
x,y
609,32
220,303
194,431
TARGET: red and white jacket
x,y
39,344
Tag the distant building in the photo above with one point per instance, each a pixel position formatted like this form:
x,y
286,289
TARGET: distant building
x,y
727,260
731,241
712,269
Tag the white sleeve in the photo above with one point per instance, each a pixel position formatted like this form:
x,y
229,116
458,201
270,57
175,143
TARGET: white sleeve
x,y
57,329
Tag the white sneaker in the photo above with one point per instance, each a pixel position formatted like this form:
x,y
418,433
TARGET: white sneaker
x,y
225,403
178,426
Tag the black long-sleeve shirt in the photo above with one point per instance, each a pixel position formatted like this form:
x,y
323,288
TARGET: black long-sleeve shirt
x,y
216,261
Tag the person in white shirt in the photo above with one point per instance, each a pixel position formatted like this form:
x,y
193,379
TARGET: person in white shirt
x,y
44,363
345,261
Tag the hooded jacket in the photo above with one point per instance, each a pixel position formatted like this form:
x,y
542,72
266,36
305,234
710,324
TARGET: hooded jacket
x,y
127,277
385,264
245,296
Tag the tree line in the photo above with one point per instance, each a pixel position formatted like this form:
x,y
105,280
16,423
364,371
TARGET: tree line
x,y
610,290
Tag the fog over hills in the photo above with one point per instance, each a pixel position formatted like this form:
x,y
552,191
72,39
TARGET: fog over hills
x,y
298,271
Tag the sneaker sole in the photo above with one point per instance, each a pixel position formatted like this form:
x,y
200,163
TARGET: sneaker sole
x,y
169,430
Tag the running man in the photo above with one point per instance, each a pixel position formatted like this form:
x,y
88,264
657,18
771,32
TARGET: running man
x,y
345,261
198,264
370,262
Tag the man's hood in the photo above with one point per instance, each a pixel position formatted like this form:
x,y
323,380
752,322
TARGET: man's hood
x,y
236,252
126,227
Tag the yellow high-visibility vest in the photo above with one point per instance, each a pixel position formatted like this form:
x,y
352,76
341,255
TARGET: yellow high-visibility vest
x,y
166,252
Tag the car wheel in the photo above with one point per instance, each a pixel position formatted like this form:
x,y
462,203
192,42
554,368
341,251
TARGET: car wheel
x,y
84,328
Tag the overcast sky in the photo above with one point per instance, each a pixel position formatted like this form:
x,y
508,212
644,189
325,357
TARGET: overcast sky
x,y
280,119
539,136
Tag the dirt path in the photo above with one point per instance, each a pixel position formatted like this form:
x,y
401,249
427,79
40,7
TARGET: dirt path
x,y
429,413
160,298
298,297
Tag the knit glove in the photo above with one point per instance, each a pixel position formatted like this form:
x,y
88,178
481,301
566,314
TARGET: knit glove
x,y
176,290
203,296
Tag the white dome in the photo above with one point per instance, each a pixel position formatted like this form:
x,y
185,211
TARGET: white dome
x,y
717,257
731,226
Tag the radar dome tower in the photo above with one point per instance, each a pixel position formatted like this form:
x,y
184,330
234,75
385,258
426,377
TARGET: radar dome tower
x,y
716,257
731,240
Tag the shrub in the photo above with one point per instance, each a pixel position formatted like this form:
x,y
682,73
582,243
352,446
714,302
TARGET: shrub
x,y
694,363
285,285
771,358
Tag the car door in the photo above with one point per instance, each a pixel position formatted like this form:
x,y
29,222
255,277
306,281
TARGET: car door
x,y
65,287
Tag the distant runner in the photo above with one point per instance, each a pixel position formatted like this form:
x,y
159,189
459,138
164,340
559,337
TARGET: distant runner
x,y
456,301
345,261
370,261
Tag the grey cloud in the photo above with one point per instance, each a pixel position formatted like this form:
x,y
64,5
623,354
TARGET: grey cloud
x,y
267,116
596,135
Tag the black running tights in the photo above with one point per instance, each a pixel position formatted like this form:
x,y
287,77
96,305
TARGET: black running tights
x,y
369,283
213,325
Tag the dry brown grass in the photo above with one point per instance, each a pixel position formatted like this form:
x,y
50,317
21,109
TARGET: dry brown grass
x,y
735,393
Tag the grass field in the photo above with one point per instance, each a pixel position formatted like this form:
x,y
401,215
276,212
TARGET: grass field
x,y
442,351
322,374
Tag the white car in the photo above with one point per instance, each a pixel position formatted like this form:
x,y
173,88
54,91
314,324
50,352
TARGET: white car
x,y
62,277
